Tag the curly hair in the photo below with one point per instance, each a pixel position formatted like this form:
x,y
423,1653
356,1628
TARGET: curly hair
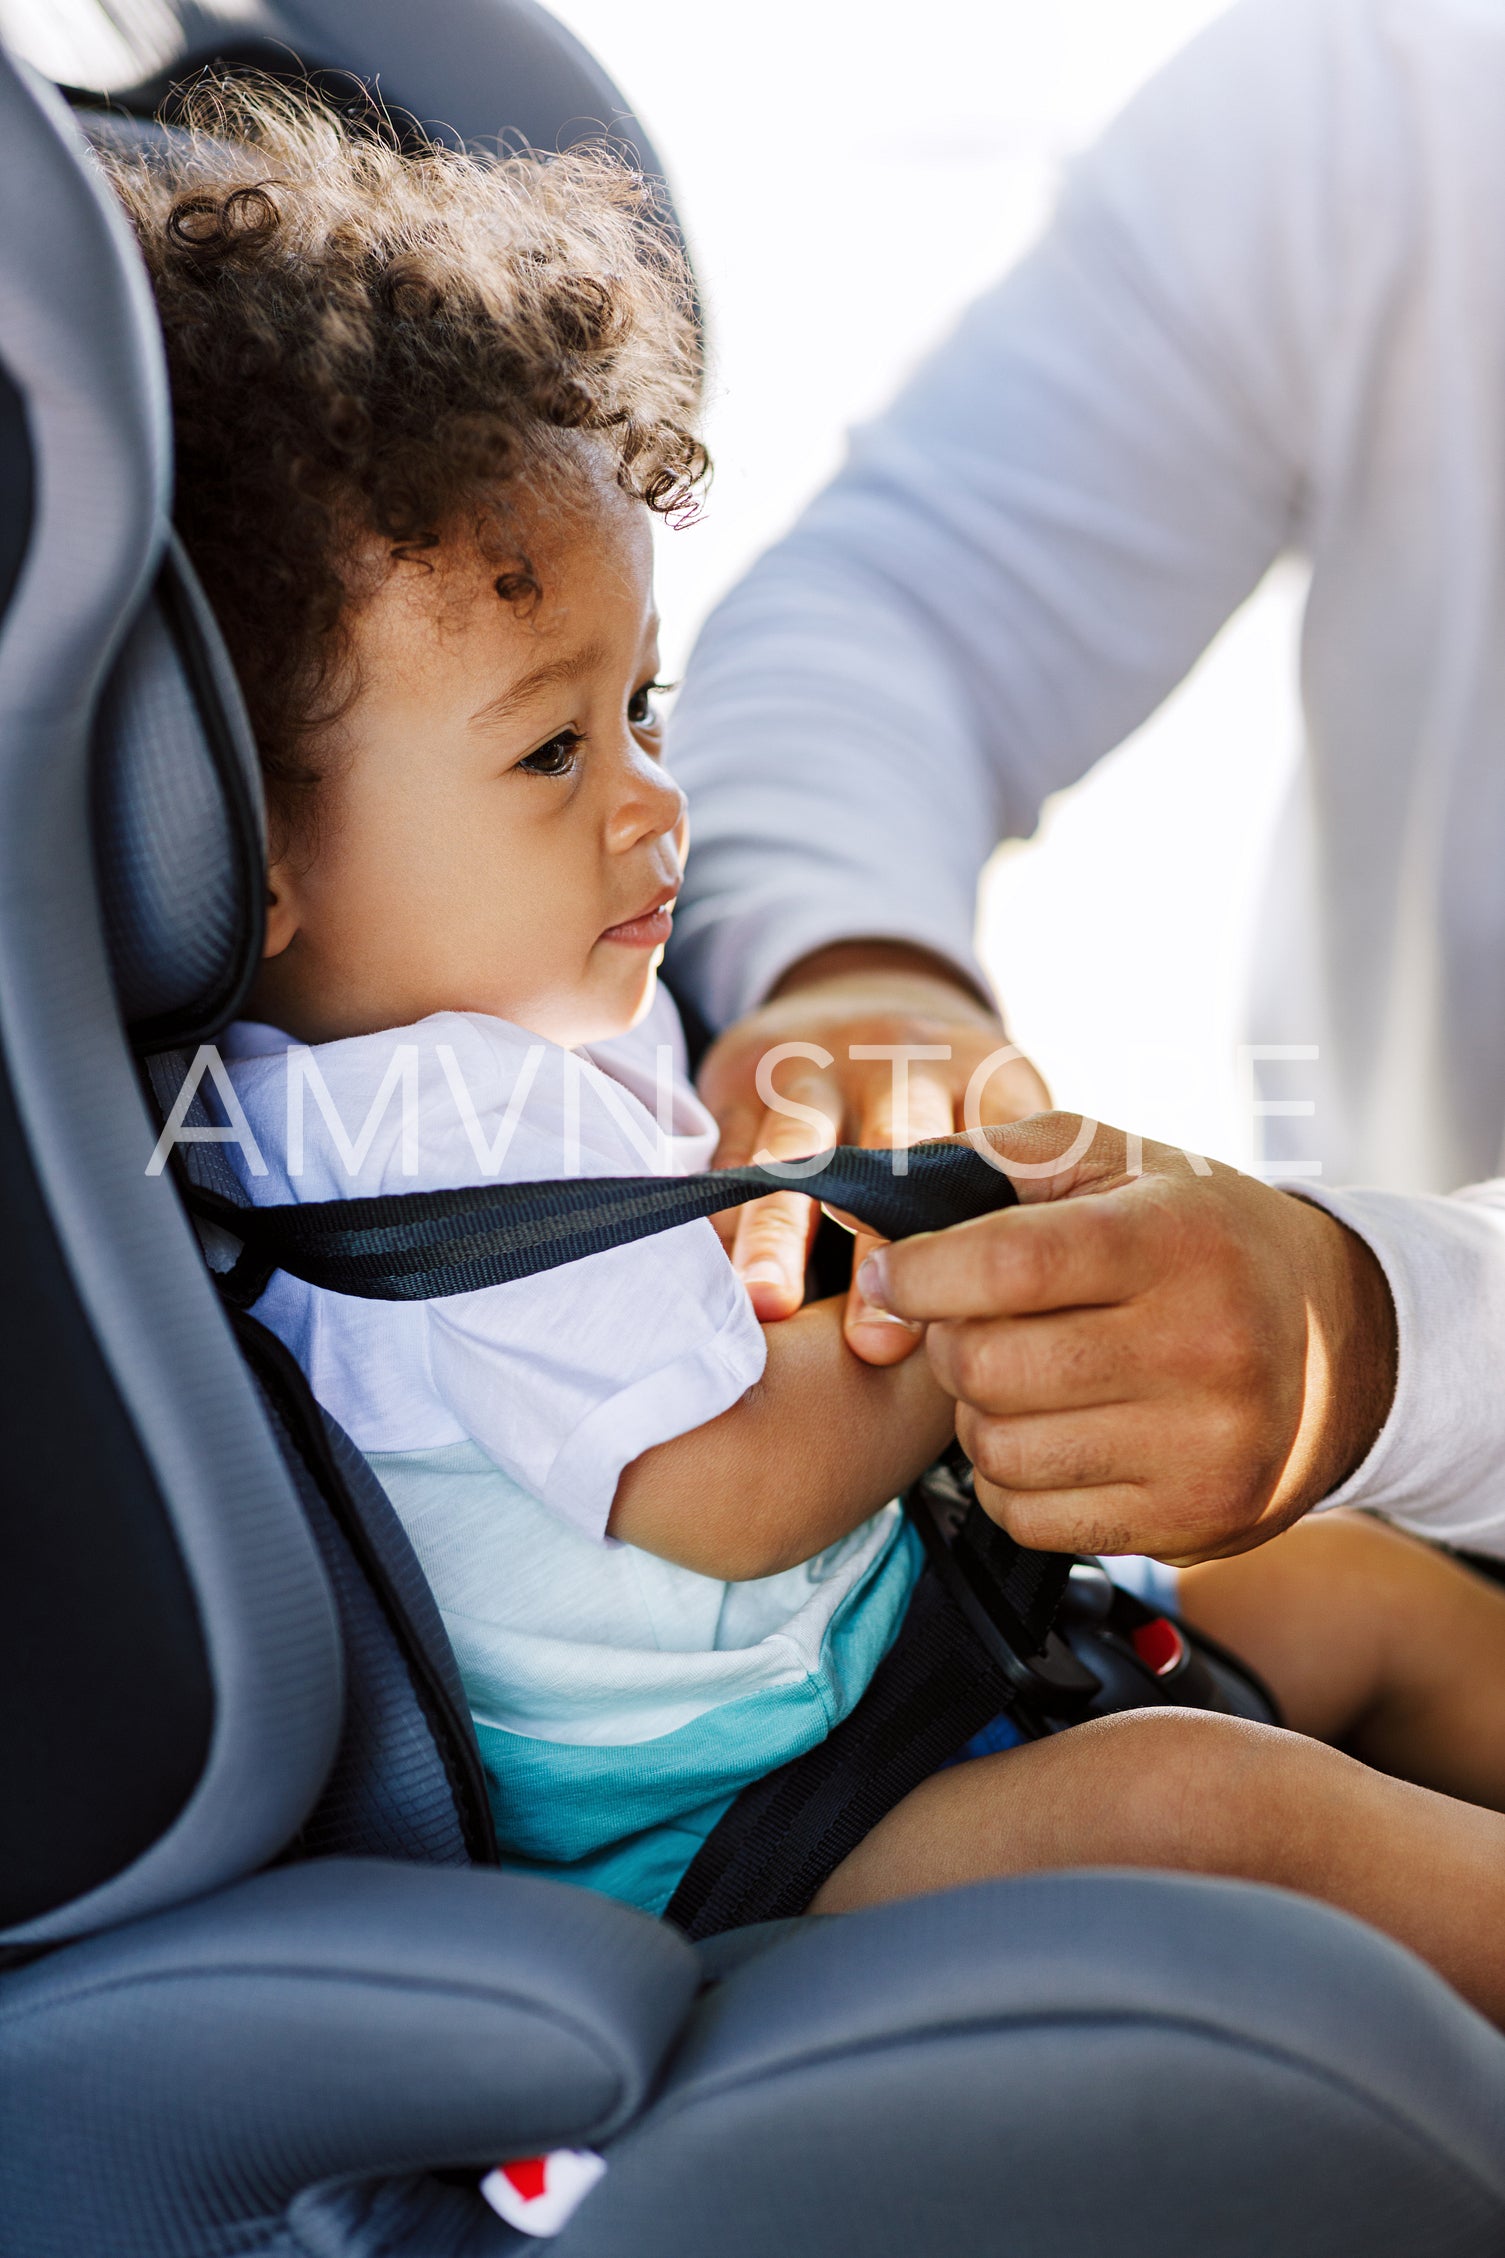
x,y
366,343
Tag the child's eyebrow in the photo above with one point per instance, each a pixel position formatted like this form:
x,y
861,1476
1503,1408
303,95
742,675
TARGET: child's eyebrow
x,y
548,676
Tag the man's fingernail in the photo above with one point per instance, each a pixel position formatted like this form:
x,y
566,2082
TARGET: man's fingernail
x,y
763,1274
872,1315
872,1281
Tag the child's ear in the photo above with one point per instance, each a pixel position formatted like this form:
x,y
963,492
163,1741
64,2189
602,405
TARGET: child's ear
x,y
282,914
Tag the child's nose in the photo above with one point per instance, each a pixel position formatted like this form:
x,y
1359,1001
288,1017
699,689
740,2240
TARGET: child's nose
x,y
652,805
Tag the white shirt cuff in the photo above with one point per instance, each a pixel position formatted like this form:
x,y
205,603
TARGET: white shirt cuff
x,y
1438,1464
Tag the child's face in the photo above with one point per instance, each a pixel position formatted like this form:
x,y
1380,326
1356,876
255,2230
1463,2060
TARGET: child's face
x,y
494,828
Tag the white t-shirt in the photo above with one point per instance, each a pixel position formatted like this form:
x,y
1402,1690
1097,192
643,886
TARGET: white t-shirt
x,y
620,1700
562,1379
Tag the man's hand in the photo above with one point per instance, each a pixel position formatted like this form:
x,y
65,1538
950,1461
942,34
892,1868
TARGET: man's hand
x,y
1179,1361
861,996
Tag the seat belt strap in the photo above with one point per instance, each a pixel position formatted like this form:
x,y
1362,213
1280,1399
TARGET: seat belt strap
x,y
787,1833
420,1246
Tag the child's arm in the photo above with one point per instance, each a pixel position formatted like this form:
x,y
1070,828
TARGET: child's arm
x,y
814,1447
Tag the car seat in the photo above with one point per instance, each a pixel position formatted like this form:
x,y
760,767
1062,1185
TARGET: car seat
x,y
466,70
263,1987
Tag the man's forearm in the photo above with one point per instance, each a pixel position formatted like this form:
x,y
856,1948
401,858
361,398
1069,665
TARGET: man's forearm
x,y
874,953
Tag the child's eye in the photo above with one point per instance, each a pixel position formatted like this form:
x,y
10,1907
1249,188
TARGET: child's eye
x,y
557,757
640,709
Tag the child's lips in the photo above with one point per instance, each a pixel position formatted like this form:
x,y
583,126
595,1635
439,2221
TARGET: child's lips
x,y
649,930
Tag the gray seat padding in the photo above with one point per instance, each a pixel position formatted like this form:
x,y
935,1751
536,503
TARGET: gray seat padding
x,y
1072,2066
466,70
1082,2066
172,2088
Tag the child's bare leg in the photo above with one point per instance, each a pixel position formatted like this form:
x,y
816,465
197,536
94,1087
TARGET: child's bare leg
x,y
1374,1642
1179,1789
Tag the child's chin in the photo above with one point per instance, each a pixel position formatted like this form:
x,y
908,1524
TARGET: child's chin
x,y
619,1014
644,1004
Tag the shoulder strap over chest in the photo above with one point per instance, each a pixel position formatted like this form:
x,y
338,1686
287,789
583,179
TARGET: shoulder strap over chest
x,y
419,1246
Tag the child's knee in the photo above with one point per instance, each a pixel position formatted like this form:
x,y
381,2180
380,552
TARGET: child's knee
x,y
1186,1788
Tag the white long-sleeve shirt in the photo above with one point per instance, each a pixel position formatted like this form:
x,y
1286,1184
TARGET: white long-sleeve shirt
x,y
1269,316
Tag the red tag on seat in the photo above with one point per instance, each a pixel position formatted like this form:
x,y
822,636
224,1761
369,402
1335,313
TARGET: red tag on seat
x,y
538,2193
1159,1646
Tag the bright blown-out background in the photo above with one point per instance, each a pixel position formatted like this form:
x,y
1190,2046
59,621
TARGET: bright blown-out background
x,y
851,172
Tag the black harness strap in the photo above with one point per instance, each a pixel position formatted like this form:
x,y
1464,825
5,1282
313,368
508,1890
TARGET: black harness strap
x,y
419,1246
786,1833
976,1643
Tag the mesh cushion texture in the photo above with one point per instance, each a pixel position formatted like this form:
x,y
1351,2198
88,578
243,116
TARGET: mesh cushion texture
x,y
383,2218
176,2088
176,819
388,1794
406,1781
163,831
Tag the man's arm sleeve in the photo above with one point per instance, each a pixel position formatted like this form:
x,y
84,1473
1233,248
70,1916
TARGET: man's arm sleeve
x,y
1027,552
1438,1465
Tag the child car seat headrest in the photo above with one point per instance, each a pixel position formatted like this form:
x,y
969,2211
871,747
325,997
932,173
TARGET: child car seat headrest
x,y
178,826
466,73
178,818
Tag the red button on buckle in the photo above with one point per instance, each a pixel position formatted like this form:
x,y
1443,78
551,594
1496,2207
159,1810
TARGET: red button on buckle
x,y
1159,1646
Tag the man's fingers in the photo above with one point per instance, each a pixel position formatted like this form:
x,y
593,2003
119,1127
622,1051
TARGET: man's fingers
x,y
1065,1482
1107,1480
1105,1520
743,1129
1054,1156
1066,1361
741,1132
927,1107
871,1333
1069,1255
1054,1451
773,1235
770,1252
